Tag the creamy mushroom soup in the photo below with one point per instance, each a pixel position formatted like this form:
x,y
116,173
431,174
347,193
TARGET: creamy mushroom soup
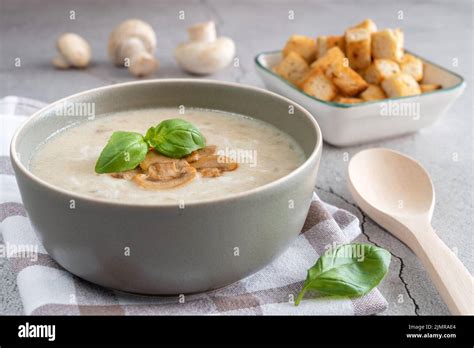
x,y
263,153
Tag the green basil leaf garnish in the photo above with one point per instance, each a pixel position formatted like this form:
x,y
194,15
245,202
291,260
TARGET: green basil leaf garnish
x,y
175,138
348,270
124,151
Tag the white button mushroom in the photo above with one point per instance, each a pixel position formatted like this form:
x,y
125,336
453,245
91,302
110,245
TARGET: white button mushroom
x,y
204,53
133,44
74,52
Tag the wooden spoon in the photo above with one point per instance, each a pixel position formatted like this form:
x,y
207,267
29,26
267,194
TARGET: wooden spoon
x,y
397,193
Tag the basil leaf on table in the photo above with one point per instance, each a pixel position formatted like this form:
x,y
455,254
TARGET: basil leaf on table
x,y
175,138
124,151
348,270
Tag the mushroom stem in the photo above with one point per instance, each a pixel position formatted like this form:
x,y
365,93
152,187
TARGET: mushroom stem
x,y
60,63
141,63
203,32
130,47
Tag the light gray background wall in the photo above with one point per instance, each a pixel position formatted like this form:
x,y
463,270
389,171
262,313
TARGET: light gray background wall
x,y
438,30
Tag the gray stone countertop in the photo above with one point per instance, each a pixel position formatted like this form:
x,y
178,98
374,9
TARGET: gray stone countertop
x,y
438,30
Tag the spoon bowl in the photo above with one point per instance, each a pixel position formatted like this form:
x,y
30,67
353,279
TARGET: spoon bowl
x,y
398,194
392,182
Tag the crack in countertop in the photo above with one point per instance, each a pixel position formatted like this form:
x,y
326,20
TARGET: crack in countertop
x,y
362,228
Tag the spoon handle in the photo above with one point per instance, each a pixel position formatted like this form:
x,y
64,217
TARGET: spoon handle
x,y
451,278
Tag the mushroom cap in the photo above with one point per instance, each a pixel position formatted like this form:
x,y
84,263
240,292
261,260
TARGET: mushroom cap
x,y
127,29
75,50
204,58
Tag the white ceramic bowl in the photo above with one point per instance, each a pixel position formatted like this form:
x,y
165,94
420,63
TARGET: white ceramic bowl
x,y
351,124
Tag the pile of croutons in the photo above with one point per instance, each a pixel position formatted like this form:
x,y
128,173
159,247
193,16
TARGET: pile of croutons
x,y
362,65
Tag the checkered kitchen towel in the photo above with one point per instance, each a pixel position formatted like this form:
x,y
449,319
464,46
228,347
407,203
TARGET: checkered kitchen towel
x,y
46,288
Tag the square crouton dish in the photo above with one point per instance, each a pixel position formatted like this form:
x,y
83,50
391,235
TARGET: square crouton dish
x,y
347,120
388,44
348,100
380,69
400,85
413,66
293,68
357,70
303,45
358,48
373,92
429,87
325,43
319,86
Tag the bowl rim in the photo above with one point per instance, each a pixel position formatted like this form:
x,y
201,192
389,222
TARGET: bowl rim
x,y
261,66
108,202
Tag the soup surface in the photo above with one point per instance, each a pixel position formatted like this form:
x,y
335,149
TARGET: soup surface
x,y
264,154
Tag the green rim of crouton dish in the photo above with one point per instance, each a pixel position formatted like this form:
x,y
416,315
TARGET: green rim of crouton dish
x,y
344,105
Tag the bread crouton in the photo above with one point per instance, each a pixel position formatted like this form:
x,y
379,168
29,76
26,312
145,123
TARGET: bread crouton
x,y
292,68
400,85
388,44
358,48
428,87
373,92
303,45
361,72
380,69
413,66
346,80
325,43
367,24
346,100
332,56
319,86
